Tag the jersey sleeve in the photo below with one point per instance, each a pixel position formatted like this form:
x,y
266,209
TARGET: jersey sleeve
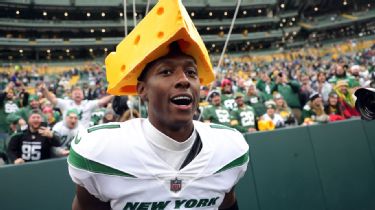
x,y
244,158
14,146
92,104
238,156
62,104
231,152
77,165
85,180
206,114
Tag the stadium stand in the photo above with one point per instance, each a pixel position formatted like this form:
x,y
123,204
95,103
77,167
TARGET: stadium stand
x,y
284,25
62,44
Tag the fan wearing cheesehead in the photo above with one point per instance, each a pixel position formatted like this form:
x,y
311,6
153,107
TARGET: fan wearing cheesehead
x,y
167,161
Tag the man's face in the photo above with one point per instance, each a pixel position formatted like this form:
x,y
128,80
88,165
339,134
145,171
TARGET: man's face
x,y
344,89
216,100
71,120
228,88
35,120
279,102
270,111
34,104
318,101
322,77
10,95
264,77
355,71
239,101
251,90
340,70
305,80
77,95
332,100
171,88
203,94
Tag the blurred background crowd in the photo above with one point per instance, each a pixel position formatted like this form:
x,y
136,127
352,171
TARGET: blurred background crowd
x,y
288,63
249,96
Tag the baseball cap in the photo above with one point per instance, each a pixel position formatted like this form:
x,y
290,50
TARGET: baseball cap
x,y
72,111
333,94
213,93
238,95
33,98
225,82
35,111
12,118
277,96
314,96
270,104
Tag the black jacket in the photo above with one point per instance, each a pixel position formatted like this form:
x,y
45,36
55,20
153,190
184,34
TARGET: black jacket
x,y
31,146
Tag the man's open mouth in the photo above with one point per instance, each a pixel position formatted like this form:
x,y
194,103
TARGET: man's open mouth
x,y
182,100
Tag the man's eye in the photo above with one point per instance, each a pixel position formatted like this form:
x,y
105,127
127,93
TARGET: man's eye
x,y
166,72
192,72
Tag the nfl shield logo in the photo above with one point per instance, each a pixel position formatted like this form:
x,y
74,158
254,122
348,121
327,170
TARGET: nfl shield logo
x,y
176,185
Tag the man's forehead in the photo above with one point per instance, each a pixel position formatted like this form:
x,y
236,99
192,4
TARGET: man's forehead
x,y
176,57
72,115
172,58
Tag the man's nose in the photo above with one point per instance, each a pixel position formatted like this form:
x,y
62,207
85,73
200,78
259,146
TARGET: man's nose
x,y
182,79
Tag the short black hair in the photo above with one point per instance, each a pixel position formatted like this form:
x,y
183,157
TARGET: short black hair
x,y
174,49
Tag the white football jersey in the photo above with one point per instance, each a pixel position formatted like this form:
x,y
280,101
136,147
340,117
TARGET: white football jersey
x,y
85,109
66,134
116,164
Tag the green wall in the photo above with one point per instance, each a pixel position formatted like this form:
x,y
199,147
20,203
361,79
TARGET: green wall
x,y
317,167
326,167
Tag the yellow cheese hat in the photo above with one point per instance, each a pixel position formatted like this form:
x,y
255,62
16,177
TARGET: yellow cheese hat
x,y
167,22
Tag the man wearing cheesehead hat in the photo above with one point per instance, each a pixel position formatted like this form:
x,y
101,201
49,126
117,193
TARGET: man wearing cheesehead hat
x,y
167,161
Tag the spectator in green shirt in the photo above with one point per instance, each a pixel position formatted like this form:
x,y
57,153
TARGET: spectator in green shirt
x,y
243,116
290,92
216,112
341,74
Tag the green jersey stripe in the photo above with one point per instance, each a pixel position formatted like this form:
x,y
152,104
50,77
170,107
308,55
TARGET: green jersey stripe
x,y
218,126
82,163
237,162
99,127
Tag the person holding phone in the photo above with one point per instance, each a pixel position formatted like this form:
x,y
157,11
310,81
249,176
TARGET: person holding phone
x,y
34,143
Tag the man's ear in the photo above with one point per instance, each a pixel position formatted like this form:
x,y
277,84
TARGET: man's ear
x,y
141,90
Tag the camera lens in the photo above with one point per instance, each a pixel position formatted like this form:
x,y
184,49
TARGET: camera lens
x,y
365,104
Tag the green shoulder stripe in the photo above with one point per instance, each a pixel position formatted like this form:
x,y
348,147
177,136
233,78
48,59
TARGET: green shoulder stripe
x,y
80,162
99,127
217,126
237,162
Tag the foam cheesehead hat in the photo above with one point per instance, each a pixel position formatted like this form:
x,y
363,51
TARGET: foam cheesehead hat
x,y
166,23
341,83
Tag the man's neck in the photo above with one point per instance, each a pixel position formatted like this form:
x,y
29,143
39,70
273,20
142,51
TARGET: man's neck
x,y
179,133
32,130
77,102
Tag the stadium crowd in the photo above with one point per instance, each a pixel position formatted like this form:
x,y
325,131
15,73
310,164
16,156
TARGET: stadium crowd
x,y
247,96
